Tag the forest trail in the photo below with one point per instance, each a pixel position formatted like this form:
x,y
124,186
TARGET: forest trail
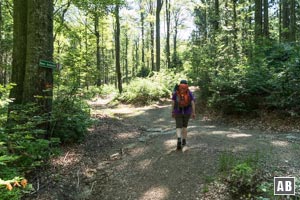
x,y
132,156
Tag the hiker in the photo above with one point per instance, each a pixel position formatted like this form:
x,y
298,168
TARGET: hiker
x,y
183,107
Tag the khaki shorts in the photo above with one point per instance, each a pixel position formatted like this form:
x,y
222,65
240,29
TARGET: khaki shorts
x,y
182,120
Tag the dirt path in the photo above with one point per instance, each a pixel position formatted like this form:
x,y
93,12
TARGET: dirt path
x,y
132,156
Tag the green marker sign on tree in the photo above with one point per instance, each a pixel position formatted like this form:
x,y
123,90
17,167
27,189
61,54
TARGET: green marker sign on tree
x,y
47,64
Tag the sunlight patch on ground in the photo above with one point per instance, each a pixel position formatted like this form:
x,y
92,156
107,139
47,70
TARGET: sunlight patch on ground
x,y
239,148
156,193
170,144
209,127
220,132
127,135
138,151
279,143
144,164
68,159
238,135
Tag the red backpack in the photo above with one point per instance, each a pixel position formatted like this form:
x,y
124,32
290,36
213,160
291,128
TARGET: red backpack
x,y
183,98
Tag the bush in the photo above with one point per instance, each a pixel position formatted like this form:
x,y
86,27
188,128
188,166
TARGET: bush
x,y
144,91
70,118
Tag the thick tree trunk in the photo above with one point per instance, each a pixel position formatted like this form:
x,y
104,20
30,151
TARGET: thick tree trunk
x,y
19,50
38,81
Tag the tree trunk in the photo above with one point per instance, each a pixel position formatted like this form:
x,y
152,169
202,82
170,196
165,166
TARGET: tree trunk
x,y
168,19
266,19
293,25
19,50
126,55
152,45
38,81
117,49
2,69
235,32
98,56
157,25
143,33
217,16
285,20
258,21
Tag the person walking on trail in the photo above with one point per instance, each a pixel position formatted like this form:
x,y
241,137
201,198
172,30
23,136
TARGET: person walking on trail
x,y
183,108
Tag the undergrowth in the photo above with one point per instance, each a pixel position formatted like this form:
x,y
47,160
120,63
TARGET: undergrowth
x,y
144,91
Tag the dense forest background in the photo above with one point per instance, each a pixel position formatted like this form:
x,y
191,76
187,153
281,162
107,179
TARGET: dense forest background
x,y
244,56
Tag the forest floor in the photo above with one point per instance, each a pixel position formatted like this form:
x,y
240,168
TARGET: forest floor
x,y
130,154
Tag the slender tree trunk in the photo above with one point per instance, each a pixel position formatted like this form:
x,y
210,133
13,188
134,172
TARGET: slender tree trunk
x,y
98,54
126,56
2,68
117,49
217,16
143,32
235,31
280,20
266,19
293,26
258,21
152,45
168,19
157,25
285,20
19,50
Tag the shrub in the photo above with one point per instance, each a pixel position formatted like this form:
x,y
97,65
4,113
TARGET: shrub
x,y
70,118
143,92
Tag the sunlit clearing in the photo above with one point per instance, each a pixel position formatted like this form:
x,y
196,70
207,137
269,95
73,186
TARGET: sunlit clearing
x,y
169,144
280,143
156,193
238,135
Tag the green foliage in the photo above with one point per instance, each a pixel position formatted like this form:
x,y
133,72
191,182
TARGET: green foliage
x,y
143,91
25,136
70,117
243,175
269,82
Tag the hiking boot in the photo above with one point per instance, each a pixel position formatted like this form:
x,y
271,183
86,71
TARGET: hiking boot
x,y
183,142
179,144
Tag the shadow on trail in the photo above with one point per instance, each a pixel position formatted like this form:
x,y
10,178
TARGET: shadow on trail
x,y
115,163
152,169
